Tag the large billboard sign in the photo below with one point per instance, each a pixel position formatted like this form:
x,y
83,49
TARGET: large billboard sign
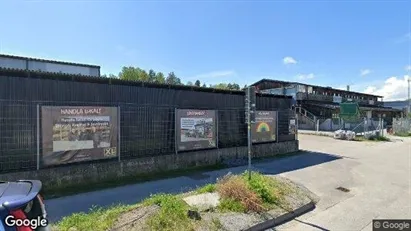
x,y
265,127
196,129
76,134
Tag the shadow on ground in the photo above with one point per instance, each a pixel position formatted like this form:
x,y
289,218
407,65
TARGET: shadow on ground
x,y
130,194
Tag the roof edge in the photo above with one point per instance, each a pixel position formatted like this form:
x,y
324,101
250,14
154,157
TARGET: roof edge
x,y
48,60
19,73
311,85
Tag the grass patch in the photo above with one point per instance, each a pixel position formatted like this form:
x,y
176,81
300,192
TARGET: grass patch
x,y
97,219
403,134
172,215
372,138
208,188
231,205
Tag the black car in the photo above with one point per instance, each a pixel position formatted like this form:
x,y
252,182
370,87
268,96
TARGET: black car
x,y
22,207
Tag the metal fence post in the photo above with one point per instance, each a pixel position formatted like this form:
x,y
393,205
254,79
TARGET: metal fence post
x,y
119,134
175,131
276,126
296,126
38,136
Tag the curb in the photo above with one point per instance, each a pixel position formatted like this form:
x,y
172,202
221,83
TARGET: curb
x,y
283,218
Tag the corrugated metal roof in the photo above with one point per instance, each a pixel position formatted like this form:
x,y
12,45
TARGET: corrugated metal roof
x,y
48,61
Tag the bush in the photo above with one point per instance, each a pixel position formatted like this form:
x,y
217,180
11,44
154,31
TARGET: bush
x,y
235,189
208,188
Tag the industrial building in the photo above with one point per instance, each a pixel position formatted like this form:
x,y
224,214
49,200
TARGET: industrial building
x,y
50,66
313,102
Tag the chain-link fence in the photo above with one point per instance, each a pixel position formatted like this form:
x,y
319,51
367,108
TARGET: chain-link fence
x,y
360,126
145,130
401,126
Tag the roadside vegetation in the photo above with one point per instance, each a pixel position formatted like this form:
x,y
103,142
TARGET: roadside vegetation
x,y
237,194
96,219
372,138
403,134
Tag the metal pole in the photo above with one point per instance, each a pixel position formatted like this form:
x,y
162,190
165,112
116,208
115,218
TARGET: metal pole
x,y
249,131
38,136
296,127
119,134
409,94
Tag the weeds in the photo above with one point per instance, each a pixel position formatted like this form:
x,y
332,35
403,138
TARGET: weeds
x,y
208,188
231,205
172,214
235,188
372,138
97,219
402,134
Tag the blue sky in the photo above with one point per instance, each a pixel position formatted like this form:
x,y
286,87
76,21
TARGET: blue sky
x,y
318,42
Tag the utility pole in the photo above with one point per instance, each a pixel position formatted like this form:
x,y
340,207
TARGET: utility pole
x,y
409,93
250,102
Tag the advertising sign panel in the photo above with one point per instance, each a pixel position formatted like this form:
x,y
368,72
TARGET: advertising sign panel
x,y
196,129
265,127
76,134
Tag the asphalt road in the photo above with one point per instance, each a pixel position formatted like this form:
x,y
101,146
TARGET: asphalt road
x,y
378,176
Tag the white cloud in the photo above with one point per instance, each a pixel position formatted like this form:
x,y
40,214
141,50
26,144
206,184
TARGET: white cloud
x,y
404,38
365,72
393,88
408,68
213,74
289,60
305,76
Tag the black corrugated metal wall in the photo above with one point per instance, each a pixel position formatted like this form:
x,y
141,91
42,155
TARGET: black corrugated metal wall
x,y
146,113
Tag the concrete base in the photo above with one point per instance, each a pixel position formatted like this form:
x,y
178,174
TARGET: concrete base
x,y
64,176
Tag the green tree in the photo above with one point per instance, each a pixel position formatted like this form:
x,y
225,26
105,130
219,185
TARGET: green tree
x,y
197,83
133,73
220,86
235,86
151,75
204,85
189,83
112,76
172,79
159,78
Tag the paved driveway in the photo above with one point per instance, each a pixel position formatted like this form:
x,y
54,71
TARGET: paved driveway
x,y
378,176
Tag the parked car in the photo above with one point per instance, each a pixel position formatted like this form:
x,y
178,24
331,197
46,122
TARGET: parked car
x,y
21,201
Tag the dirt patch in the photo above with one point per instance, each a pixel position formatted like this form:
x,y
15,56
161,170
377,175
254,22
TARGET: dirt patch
x,y
135,220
